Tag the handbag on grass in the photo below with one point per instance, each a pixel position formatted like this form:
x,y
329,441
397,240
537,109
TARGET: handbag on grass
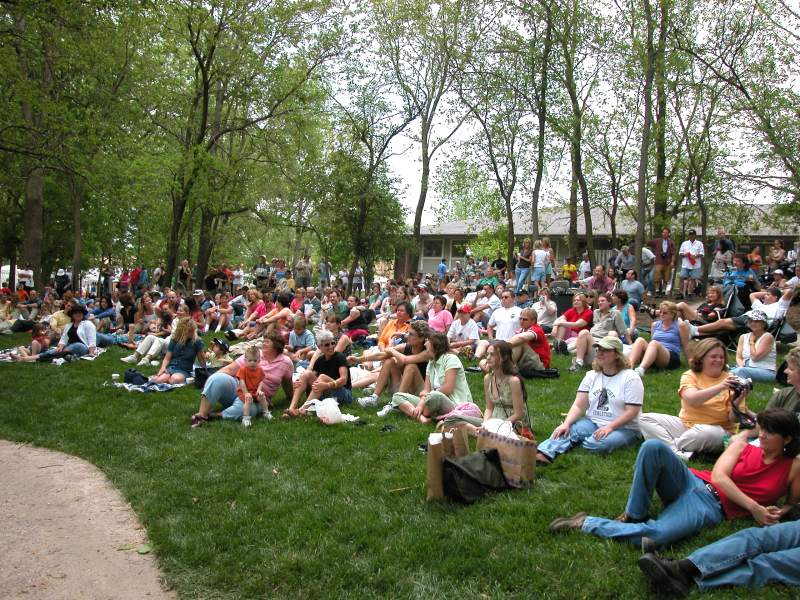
x,y
517,457
469,478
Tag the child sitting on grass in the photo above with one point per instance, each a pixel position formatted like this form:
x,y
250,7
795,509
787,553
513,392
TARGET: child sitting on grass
x,y
40,341
250,377
301,341
219,354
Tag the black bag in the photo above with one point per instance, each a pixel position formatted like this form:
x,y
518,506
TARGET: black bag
x,y
780,376
201,375
469,478
135,377
539,373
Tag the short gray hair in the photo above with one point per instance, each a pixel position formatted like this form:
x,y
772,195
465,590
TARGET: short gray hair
x,y
324,336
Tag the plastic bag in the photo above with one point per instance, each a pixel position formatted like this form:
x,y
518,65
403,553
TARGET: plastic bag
x,y
328,411
500,427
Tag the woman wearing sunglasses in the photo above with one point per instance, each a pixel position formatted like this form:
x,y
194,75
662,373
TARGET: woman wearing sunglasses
x,y
605,413
328,376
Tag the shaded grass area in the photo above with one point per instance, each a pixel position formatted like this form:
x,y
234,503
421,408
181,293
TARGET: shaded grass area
x,y
298,508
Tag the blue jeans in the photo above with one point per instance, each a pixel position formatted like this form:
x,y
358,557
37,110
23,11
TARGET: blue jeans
x,y
754,373
753,557
236,410
105,339
221,389
78,349
522,275
582,432
688,505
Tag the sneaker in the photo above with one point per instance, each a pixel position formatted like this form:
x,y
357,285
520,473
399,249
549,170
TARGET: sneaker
x,y
266,415
666,574
129,359
58,361
155,363
683,455
385,410
368,401
145,362
640,371
370,389
246,421
575,366
573,522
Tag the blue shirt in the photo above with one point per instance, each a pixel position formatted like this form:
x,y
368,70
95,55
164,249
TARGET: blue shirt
x,y
183,355
305,340
441,270
739,277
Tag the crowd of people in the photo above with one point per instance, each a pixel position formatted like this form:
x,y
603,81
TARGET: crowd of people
x,y
408,343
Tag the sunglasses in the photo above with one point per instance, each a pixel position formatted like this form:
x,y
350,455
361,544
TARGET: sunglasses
x,y
325,344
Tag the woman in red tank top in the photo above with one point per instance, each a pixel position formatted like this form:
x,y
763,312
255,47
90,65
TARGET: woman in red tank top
x,y
746,479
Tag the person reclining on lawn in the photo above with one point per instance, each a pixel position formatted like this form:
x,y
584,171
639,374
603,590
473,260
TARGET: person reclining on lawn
x,y
772,301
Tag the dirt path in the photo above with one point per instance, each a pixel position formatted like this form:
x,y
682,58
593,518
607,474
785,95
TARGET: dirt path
x,y
62,526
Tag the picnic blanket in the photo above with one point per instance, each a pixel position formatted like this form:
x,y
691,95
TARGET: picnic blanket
x,y
150,386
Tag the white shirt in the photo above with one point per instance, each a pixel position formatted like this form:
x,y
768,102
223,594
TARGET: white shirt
x,y
793,282
544,318
459,332
584,269
505,322
647,256
494,303
695,248
540,258
621,389
238,277
776,310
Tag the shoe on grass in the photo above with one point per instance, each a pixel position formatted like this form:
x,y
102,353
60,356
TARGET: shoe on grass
x,y
129,359
155,363
565,523
266,415
246,421
665,574
368,401
198,420
385,410
640,371
145,362
576,366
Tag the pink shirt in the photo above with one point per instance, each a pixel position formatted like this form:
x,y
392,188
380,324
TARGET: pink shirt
x,y
258,311
275,372
440,321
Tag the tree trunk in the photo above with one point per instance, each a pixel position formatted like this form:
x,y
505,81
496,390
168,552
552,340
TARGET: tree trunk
x,y
573,215
659,58
33,224
645,147
204,243
423,190
541,139
77,196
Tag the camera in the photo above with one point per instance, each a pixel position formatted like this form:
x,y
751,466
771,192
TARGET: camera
x,y
742,384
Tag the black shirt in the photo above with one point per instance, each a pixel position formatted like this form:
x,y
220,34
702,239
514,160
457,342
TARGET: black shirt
x,y
330,367
499,264
72,335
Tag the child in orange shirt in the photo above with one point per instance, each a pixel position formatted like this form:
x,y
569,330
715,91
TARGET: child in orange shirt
x,y
250,377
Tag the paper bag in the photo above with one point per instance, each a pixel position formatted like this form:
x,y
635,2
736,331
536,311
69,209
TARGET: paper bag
x,y
517,457
435,457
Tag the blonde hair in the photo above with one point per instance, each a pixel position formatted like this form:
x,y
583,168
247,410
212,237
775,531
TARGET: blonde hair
x,y
252,353
670,307
621,362
185,331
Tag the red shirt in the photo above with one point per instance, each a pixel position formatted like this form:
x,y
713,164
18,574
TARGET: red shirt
x,y
571,315
540,345
766,484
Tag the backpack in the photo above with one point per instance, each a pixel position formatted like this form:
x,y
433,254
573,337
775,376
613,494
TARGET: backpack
x,y
469,478
135,377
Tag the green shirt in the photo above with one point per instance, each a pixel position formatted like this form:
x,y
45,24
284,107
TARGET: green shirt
x,y
493,281
436,371
787,398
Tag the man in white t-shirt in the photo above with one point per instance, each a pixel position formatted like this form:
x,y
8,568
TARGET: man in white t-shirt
x,y
463,330
774,302
691,253
794,281
503,323
486,305
585,268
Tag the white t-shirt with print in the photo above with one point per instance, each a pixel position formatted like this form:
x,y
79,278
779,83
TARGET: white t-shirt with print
x,y
620,390
505,322
459,332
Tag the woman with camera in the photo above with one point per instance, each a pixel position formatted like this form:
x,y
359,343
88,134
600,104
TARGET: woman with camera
x,y
710,398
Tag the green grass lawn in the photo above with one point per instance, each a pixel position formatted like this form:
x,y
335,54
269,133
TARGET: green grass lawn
x,y
291,509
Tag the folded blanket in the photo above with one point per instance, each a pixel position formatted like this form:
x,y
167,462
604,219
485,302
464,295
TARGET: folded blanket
x,y
150,386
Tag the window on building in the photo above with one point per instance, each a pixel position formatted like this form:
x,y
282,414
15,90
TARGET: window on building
x,y
432,248
459,250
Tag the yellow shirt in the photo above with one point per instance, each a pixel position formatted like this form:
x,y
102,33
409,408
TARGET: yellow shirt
x,y
59,320
389,330
714,411
567,271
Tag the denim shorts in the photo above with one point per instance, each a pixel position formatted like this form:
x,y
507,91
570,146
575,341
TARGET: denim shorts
x,y
690,273
173,370
537,274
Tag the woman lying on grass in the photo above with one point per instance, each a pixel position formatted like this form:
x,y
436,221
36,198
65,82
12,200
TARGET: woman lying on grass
x,y
445,385
746,479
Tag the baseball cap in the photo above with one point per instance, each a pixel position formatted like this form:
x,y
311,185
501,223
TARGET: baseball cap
x,y
778,272
610,342
198,292
222,344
